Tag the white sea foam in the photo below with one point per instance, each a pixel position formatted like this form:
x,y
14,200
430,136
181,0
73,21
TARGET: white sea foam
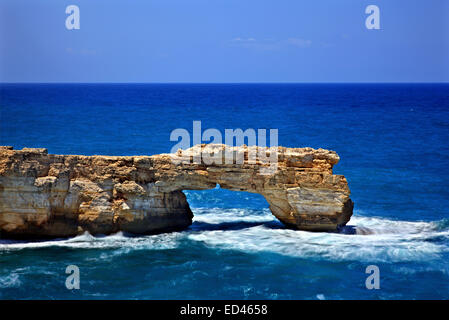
x,y
12,280
371,239
217,215
376,240
87,241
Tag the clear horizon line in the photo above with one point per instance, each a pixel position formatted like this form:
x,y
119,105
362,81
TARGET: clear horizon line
x,y
229,82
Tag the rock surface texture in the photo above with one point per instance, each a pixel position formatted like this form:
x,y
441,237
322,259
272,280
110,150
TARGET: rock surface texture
x,y
46,195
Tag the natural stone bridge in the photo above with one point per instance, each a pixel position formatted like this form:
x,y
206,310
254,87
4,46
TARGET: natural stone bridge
x,y
46,195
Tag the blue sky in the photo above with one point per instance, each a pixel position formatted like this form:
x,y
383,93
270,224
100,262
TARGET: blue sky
x,y
224,41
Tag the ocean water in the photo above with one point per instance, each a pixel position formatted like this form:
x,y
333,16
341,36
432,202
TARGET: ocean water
x,y
393,140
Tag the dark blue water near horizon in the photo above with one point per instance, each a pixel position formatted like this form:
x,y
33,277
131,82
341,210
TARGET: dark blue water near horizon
x,y
393,144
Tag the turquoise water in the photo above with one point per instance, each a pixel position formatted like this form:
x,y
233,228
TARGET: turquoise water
x,y
393,144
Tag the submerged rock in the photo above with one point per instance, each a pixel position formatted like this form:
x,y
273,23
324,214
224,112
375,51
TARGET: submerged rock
x,y
46,195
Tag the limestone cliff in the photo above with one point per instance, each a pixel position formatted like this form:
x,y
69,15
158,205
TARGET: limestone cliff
x,y
46,195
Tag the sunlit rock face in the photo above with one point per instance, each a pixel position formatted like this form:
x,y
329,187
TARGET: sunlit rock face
x,y
46,195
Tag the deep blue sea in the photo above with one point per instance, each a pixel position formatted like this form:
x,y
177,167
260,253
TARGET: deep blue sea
x,y
393,140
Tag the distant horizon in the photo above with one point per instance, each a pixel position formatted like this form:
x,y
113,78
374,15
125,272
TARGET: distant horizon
x,y
335,82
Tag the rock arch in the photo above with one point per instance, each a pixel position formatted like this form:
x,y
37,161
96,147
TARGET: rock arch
x,y
46,195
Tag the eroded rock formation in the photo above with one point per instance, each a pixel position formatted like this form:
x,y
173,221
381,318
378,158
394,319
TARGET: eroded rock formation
x,y
46,195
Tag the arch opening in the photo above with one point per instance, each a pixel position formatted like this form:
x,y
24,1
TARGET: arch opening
x,y
224,209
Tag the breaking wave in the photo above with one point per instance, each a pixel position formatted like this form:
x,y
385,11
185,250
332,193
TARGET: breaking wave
x,y
373,239
87,241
